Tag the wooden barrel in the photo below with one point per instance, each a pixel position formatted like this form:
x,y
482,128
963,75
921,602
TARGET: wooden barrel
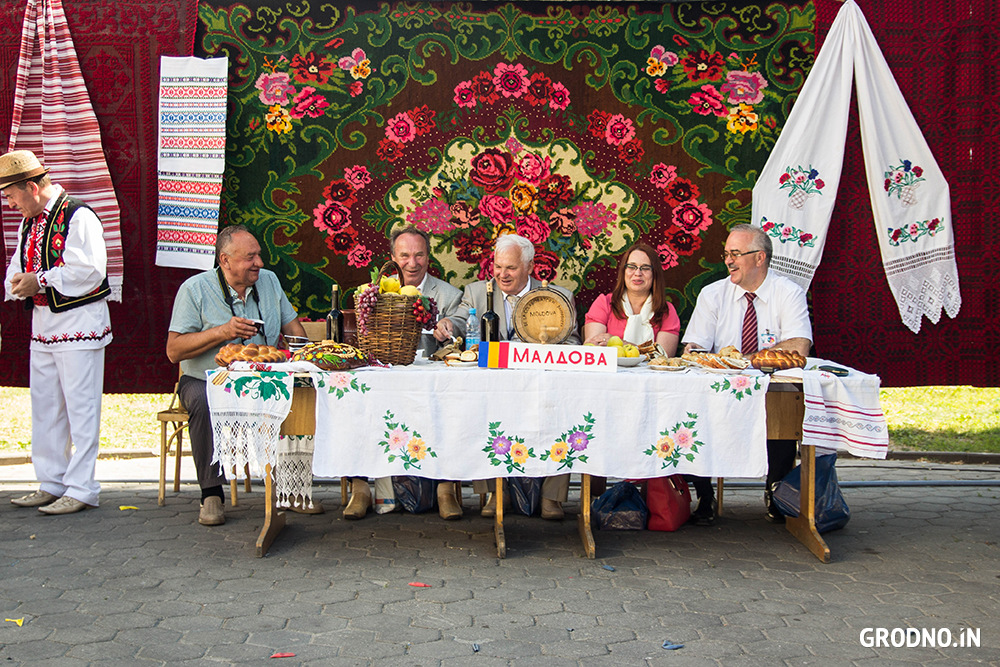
x,y
544,315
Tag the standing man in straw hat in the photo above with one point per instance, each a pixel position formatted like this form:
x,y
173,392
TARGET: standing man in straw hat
x,y
59,270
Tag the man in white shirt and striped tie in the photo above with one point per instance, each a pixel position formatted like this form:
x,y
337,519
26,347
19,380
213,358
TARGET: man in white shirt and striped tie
x,y
750,310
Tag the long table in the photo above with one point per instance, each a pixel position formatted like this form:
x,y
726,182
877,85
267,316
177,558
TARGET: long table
x,y
434,421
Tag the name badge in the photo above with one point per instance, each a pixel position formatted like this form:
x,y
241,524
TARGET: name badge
x,y
767,340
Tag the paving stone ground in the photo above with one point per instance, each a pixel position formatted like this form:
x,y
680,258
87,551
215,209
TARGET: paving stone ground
x,y
150,586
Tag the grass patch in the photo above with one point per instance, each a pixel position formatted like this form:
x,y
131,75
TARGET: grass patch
x,y
929,419
128,421
943,419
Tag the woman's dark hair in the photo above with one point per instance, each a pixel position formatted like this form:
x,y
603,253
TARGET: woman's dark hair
x,y
659,282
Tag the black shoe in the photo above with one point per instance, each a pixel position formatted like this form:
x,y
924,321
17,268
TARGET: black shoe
x,y
705,514
771,511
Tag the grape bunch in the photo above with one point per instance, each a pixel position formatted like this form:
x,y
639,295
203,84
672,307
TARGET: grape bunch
x,y
425,311
366,306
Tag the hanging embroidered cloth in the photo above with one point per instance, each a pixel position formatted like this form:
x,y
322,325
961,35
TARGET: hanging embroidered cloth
x,y
795,194
54,119
191,157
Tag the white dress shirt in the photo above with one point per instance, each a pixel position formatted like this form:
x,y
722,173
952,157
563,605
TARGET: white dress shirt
x,y
717,321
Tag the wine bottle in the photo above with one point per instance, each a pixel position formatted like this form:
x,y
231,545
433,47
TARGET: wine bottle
x,y
335,318
489,327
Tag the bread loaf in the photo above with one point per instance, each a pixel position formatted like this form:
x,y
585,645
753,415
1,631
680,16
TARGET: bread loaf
x,y
778,359
264,354
330,356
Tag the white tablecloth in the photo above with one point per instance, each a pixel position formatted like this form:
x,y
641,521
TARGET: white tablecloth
x,y
471,423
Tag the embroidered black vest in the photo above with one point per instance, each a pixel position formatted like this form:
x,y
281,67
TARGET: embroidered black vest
x,y
57,227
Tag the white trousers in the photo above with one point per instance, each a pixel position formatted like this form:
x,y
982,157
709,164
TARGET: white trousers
x,y
66,390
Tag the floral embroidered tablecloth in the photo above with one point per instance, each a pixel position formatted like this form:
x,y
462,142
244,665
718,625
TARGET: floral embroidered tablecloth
x,y
247,411
471,423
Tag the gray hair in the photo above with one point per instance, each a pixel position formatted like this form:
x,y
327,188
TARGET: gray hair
x,y
514,241
225,238
409,229
759,240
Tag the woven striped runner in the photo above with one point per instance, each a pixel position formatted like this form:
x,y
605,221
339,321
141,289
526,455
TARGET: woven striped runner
x,y
191,157
54,119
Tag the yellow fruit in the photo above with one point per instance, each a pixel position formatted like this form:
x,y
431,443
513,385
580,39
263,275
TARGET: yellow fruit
x,y
615,341
388,285
620,349
630,350
409,290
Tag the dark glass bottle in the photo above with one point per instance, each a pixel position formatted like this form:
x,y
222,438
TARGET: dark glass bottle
x,y
489,324
335,318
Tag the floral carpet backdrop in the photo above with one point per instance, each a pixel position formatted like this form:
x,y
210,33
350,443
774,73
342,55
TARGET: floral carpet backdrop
x,y
940,52
581,127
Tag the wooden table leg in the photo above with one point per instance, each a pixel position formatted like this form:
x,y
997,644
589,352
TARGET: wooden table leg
x,y
274,520
803,527
498,521
583,518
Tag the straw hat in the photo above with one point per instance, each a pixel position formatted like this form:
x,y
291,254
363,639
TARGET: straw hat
x,y
17,166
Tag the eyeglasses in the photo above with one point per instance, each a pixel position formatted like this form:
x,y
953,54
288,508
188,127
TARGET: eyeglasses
x,y
645,268
736,254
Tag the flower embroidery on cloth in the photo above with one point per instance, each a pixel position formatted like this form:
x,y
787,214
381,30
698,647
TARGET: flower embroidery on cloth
x,y
675,443
507,450
903,181
739,385
399,437
787,233
567,447
265,385
914,231
341,383
802,184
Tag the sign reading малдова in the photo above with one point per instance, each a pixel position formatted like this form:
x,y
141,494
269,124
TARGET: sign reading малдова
x,y
557,357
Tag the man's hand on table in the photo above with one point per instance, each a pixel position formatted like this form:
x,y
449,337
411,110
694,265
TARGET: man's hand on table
x,y
444,330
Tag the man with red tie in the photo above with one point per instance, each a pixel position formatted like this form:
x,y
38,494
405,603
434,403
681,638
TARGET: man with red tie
x,y
752,310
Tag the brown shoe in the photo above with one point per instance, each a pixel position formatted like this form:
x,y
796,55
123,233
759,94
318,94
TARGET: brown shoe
x,y
64,505
449,506
490,509
552,509
211,513
34,499
361,500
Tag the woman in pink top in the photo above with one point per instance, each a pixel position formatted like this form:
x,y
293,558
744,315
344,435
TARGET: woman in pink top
x,y
637,309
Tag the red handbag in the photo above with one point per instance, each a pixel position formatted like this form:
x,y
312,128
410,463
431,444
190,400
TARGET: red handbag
x,y
669,502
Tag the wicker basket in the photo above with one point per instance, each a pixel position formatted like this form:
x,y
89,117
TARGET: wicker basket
x,y
393,331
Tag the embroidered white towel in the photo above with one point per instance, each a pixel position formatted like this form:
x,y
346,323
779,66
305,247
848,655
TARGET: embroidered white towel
x,y
795,194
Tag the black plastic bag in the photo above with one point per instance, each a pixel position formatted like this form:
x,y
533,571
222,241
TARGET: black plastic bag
x,y
832,511
525,494
621,508
415,494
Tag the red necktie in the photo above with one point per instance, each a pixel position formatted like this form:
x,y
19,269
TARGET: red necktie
x,y
750,326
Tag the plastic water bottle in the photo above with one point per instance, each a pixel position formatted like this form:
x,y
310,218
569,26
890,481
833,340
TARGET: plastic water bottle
x,y
472,330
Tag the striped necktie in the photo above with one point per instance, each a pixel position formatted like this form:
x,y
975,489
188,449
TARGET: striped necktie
x,y
750,326
512,300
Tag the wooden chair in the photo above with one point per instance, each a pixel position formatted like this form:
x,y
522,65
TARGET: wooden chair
x,y
173,422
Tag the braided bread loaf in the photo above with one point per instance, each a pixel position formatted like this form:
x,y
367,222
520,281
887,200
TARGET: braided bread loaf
x,y
264,354
778,359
